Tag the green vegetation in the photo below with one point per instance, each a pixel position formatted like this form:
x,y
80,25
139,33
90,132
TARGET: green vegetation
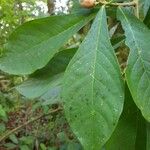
x,y
76,81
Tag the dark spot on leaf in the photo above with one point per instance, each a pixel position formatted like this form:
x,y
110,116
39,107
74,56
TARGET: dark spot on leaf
x,y
87,99
96,93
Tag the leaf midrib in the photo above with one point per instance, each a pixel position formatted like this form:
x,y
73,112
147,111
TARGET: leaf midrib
x,y
95,59
95,56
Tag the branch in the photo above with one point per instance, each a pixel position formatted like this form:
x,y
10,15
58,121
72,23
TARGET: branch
x,y
3,137
133,3
137,8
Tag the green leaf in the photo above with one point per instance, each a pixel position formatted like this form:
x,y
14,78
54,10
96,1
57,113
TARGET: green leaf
x,y
43,147
141,133
146,6
10,146
148,136
77,9
138,66
34,43
113,30
36,87
93,90
53,94
147,19
24,147
13,138
73,146
2,111
130,133
117,41
2,128
27,140
47,79
124,136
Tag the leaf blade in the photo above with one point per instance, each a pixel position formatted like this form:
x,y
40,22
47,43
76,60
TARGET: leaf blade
x,y
146,6
125,132
38,40
138,67
148,136
86,79
50,76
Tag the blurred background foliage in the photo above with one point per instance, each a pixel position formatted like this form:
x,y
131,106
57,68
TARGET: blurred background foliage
x,y
15,12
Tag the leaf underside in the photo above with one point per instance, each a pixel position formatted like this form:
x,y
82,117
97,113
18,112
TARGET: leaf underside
x,y
42,81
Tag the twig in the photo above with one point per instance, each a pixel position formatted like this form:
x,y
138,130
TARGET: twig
x,y
3,137
137,8
133,3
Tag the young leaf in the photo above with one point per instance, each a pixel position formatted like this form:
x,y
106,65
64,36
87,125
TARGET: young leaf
x,y
50,76
138,68
124,136
93,88
34,43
